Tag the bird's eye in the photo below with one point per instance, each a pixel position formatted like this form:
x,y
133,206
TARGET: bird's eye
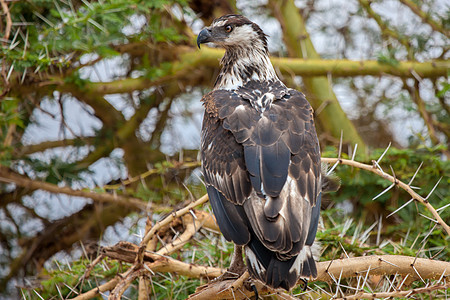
x,y
228,28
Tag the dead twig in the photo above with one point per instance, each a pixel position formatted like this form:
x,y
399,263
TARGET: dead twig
x,y
124,283
166,221
191,227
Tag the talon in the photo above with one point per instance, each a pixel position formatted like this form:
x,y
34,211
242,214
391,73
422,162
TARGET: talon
x,y
255,290
305,284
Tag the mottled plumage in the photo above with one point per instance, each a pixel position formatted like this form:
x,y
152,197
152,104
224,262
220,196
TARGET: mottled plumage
x,y
260,157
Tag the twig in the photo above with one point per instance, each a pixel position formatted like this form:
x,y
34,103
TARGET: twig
x,y
184,165
191,228
100,289
167,220
124,283
403,185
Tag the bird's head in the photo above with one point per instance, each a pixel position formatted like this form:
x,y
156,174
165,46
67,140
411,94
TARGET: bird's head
x,y
233,31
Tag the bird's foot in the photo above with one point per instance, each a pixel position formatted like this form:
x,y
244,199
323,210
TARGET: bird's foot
x,y
234,272
305,284
237,267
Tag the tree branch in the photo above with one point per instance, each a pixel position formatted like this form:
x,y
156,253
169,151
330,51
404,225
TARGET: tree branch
x,y
405,294
5,9
169,219
382,265
425,17
385,30
190,59
30,149
8,176
426,116
327,270
374,169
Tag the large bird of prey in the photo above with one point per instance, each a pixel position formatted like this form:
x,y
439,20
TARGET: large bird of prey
x,y
260,158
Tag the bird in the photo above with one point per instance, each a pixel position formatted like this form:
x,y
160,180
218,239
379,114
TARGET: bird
x,y
260,159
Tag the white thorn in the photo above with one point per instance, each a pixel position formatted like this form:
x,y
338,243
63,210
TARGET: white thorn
x,y
333,167
383,192
354,152
417,171
404,279
443,207
435,186
340,145
400,208
432,220
381,157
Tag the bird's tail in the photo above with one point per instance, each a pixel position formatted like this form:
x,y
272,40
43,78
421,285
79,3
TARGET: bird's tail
x,y
266,266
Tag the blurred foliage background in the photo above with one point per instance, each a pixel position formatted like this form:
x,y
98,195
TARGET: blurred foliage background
x,y
94,93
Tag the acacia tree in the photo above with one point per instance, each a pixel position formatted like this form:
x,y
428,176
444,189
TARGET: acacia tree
x,y
96,98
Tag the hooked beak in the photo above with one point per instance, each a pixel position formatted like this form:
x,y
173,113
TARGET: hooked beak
x,y
204,37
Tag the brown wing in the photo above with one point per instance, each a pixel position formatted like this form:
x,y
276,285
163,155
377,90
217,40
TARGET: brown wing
x,y
285,156
222,156
279,143
226,177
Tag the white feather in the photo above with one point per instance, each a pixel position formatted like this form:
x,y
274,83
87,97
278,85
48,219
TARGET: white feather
x,y
254,262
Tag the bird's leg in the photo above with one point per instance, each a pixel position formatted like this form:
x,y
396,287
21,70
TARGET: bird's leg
x,y
237,266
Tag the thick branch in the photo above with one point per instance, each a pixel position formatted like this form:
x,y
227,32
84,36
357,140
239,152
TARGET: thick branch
x,y
382,265
190,59
104,110
342,268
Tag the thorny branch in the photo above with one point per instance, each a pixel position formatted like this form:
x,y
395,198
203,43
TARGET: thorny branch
x,y
7,175
402,294
170,218
327,270
377,170
151,262
145,262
